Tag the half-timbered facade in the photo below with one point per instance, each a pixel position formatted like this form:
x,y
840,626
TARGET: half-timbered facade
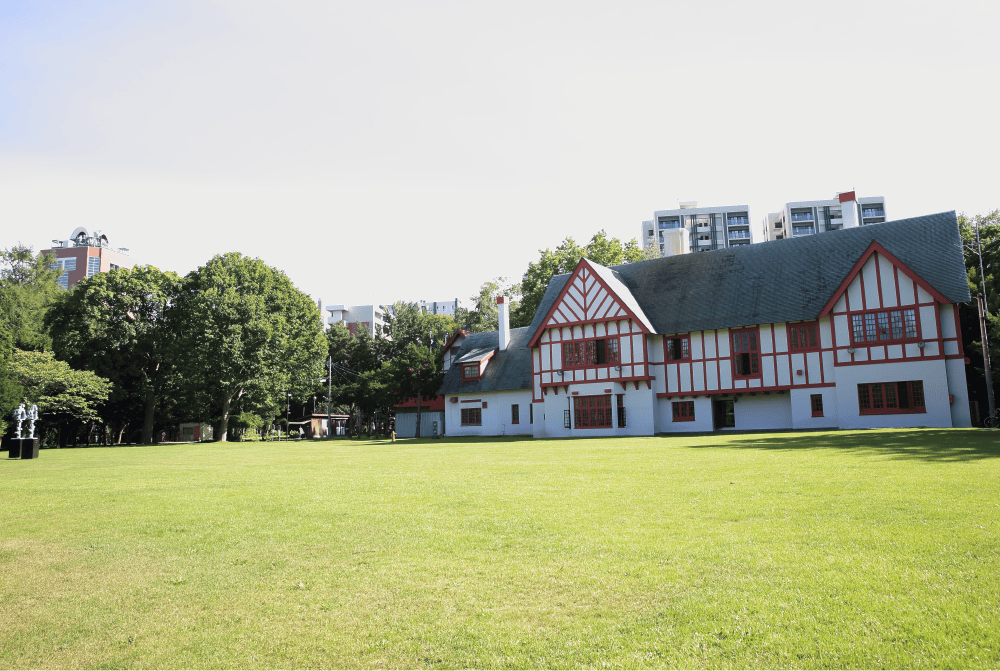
x,y
856,328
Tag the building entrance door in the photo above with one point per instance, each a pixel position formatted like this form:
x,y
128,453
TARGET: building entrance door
x,y
724,414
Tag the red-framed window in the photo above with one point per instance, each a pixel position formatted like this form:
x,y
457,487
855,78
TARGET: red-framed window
x,y
677,348
683,411
816,403
746,353
515,414
884,326
595,352
891,398
803,337
472,416
470,371
592,412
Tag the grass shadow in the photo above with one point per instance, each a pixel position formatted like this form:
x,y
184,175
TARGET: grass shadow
x,y
942,445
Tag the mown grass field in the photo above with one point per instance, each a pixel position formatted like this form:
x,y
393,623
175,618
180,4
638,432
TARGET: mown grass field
x,y
844,549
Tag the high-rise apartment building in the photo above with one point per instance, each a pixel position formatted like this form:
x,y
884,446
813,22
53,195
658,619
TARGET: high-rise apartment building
x,y
368,317
697,229
85,254
817,216
440,307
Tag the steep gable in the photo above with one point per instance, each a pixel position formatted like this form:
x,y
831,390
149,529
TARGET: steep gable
x,y
591,293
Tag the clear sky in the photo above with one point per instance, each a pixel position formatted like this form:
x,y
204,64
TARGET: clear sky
x,y
378,151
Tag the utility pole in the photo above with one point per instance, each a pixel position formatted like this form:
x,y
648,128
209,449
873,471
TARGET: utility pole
x,y
986,357
329,393
984,311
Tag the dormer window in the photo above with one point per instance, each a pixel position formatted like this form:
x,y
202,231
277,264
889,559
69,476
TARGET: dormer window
x,y
470,371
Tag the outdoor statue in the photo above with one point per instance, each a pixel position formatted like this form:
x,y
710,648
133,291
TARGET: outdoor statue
x,y
20,415
32,417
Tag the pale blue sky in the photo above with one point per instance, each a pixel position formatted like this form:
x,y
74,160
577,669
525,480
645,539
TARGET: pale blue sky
x,y
395,150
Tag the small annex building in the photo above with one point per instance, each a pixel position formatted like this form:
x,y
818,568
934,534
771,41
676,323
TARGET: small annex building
x,y
855,328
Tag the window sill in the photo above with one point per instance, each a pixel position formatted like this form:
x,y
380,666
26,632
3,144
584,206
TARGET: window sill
x,y
894,411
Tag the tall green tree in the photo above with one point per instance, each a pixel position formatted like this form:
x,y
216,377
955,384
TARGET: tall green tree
x,y
245,332
28,287
115,324
988,226
416,367
408,325
10,391
63,395
601,249
482,316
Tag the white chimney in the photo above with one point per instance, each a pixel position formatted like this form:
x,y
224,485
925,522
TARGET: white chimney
x,y
849,209
504,319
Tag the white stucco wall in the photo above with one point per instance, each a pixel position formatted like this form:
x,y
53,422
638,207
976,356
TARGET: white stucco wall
x,y
496,414
802,408
961,414
773,411
702,415
640,411
935,379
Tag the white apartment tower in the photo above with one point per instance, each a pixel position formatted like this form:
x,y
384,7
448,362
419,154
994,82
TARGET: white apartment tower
x,y
690,228
368,317
818,216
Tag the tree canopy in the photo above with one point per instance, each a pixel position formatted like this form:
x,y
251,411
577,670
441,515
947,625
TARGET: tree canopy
x,y
245,335
483,316
60,392
115,324
28,286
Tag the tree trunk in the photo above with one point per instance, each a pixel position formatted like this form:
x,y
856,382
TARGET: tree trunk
x,y
147,420
224,423
418,415
121,433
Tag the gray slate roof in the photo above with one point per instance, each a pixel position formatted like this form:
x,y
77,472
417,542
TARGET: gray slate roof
x,y
477,354
779,281
507,370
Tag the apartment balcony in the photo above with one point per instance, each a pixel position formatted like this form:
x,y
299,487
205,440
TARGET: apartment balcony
x,y
867,214
739,234
738,221
803,230
802,216
703,229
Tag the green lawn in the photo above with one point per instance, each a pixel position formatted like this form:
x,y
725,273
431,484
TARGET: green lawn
x,y
843,549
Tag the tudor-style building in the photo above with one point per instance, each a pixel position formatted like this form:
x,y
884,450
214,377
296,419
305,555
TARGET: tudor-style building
x,y
855,328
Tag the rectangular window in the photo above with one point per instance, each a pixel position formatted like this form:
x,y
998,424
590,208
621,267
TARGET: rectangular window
x,y
598,352
93,266
746,353
621,411
592,412
803,337
515,414
531,413
683,411
884,326
470,371
816,402
472,416
891,398
678,349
